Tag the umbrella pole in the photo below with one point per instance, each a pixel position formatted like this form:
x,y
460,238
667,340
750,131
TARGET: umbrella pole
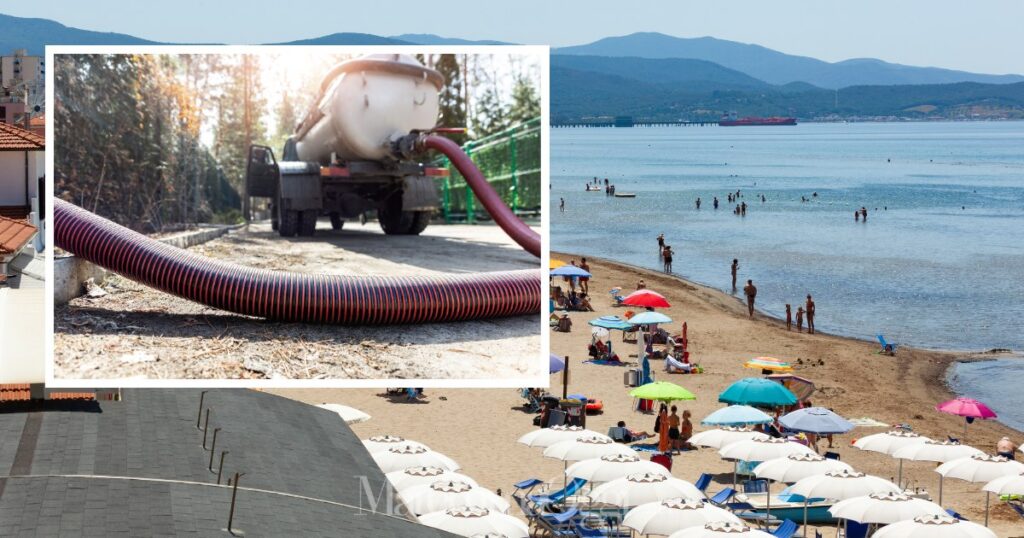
x,y
805,517
899,479
940,489
964,437
987,495
735,469
768,503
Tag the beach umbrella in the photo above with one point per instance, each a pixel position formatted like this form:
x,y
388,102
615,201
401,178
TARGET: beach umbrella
x,y
968,408
759,450
721,530
936,451
555,264
545,437
646,298
801,386
637,489
662,391
613,466
723,436
1012,484
796,467
649,318
980,468
611,322
888,443
417,476
840,485
768,363
555,364
380,443
757,392
569,270
817,420
476,521
884,508
671,515
408,455
736,415
443,495
942,526
350,415
585,448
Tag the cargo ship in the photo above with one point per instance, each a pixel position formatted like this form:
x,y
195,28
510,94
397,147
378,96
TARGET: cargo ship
x,y
732,121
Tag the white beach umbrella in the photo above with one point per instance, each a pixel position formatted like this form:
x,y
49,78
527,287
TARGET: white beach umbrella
x,y
476,521
408,455
671,515
380,443
585,448
350,415
1006,485
416,476
888,443
796,467
721,530
884,508
442,495
942,526
637,489
545,437
980,468
720,437
840,485
936,451
612,466
759,449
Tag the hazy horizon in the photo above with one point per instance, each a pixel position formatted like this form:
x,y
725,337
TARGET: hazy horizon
x,y
951,34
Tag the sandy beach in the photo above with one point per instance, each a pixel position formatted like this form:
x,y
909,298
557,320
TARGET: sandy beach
x,y
479,427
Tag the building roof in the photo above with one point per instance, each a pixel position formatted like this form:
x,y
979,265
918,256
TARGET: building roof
x,y
14,138
137,467
15,234
37,121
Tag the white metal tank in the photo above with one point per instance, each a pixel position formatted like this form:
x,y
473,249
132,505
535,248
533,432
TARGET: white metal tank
x,y
365,104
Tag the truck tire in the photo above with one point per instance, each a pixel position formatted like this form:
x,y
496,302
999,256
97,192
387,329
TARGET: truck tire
x,y
336,221
420,220
307,222
392,219
275,221
288,223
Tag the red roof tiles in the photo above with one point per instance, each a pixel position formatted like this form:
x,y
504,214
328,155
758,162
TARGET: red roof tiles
x,y
14,138
15,234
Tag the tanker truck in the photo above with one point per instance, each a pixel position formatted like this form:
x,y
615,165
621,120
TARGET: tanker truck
x,y
344,160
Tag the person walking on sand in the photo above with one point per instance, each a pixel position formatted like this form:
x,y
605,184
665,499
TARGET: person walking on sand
x,y
735,268
750,290
810,314
561,205
799,319
789,318
1005,448
673,428
585,280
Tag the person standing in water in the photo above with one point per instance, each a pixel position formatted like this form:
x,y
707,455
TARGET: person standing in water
x,y
715,203
810,314
561,205
668,259
750,290
698,202
789,318
735,269
799,319
856,216
661,244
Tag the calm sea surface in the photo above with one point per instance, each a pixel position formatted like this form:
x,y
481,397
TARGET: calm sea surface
x,y
939,263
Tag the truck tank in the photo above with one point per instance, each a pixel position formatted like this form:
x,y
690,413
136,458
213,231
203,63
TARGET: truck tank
x,y
367,103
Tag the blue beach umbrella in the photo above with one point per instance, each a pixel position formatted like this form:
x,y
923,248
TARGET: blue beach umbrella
x,y
757,392
557,364
569,270
649,318
736,415
611,322
815,420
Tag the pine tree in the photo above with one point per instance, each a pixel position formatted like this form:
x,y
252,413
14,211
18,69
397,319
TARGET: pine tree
x,y
452,97
525,102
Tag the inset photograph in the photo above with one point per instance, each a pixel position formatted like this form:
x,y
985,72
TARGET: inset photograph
x,y
298,213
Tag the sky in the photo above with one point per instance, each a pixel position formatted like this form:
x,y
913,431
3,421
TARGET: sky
x,y
972,35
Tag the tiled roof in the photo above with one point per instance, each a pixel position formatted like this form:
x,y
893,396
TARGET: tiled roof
x,y
14,138
15,234
37,121
137,467
21,392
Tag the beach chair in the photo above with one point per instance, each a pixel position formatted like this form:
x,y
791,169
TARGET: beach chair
x,y
888,348
786,530
617,434
552,498
722,497
1018,507
856,529
528,511
617,296
558,524
832,456
703,482
527,485
954,513
755,486
585,530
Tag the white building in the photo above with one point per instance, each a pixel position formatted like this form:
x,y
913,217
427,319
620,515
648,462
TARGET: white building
x,y
22,166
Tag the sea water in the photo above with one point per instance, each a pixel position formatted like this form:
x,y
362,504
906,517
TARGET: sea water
x,y
938,264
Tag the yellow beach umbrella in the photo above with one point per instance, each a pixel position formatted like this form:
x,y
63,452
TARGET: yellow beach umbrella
x,y
555,264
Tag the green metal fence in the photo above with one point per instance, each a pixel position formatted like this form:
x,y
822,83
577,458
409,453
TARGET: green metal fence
x,y
510,160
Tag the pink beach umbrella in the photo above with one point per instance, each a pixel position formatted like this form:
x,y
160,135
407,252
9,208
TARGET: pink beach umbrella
x,y
968,408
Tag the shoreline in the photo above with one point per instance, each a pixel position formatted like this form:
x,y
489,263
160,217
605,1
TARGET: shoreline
x,y
936,376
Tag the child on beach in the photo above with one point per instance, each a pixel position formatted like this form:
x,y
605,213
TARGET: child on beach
x,y
800,319
789,318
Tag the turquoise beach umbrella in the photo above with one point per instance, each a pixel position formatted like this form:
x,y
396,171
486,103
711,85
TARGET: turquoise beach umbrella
x,y
649,318
611,322
757,392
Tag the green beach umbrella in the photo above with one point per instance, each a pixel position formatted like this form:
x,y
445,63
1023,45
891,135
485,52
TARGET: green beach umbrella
x,y
757,392
662,391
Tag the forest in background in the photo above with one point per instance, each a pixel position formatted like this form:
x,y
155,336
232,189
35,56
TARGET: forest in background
x,y
157,141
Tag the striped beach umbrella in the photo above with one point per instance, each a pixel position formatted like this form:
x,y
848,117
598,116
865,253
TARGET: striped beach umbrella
x,y
768,363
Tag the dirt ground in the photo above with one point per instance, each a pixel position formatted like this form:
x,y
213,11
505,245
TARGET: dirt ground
x,y
479,428
136,332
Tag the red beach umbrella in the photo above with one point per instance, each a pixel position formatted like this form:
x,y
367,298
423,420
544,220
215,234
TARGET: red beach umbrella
x,y
646,298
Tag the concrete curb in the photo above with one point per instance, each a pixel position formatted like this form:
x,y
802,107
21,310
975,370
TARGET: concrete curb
x,y
70,272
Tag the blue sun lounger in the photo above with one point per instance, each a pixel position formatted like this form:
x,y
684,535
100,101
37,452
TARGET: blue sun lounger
x,y
888,348
570,489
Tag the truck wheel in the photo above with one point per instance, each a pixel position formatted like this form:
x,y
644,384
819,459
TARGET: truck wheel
x,y
336,221
420,220
307,222
288,224
275,222
392,219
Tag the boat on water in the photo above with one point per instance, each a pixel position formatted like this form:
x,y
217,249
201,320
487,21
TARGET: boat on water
x,y
594,188
625,195
732,121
